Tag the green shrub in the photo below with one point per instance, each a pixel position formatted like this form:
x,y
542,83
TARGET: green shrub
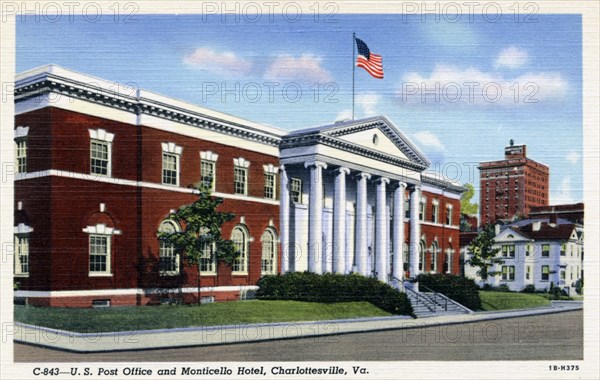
x,y
503,288
457,288
529,289
579,286
330,288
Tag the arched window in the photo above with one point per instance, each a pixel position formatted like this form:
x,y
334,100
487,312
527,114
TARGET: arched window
x,y
239,236
421,256
268,262
433,266
168,259
208,260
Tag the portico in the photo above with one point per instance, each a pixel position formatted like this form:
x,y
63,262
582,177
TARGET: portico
x,y
345,210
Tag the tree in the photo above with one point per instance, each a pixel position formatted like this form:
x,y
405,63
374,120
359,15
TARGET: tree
x,y
484,253
202,228
466,207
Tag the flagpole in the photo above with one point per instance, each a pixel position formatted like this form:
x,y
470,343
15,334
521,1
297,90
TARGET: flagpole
x,y
353,69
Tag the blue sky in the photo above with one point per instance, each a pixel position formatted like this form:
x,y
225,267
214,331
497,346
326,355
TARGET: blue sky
x,y
492,81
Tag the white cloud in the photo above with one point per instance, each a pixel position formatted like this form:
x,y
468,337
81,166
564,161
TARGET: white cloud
x,y
368,102
307,67
564,194
573,157
453,85
217,62
344,115
512,57
429,139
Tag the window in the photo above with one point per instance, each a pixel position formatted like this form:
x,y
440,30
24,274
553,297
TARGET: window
x,y
168,259
406,255
296,190
240,176
407,207
100,152
508,272
268,263
434,251
208,174
170,169
563,249
528,249
508,250
99,157
270,185
21,255
449,215
422,209
21,152
239,236
545,272
434,213
170,163
545,250
563,275
528,272
99,246
421,256
208,259
448,263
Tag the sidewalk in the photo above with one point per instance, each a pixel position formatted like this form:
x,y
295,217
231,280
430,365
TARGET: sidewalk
x,y
213,335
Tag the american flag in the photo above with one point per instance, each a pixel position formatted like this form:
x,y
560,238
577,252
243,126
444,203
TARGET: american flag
x,y
367,60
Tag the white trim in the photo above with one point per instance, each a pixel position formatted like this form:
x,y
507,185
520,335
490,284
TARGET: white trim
x,y
169,147
22,228
438,225
101,135
241,162
101,229
21,132
209,156
124,292
270,168
434,190
127,182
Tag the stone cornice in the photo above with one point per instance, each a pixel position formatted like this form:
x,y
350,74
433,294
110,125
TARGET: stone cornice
x,y
442,184
48,83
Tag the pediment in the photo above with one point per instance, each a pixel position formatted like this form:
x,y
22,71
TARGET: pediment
x,y
509,235
380,135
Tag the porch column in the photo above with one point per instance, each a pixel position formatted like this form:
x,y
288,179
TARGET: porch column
x,y
415,231
398,234
361,251
315,216
381,230
339,222
284,219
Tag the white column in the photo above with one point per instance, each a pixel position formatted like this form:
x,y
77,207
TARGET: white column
x,y
381,229
398,234
361,223
284,219
315,217
339,222
415,231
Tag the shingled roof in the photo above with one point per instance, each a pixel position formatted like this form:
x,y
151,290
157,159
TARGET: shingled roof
x,y
547,231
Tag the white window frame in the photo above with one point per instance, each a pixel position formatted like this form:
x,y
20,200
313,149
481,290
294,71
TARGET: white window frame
x,y
528,272
101,137
296,188
508,273
240,264
433,266
542,273
107,263
422,208
170,149
208,260
449,254
548,251
269,252
508,251
270,176
240,166
21,155
209,158
449,209
101,230
168,250
21,253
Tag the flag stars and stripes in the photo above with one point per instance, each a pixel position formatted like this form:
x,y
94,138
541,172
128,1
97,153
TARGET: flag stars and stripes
x,y
367,60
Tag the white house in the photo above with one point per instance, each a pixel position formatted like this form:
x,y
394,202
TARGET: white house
x,y
536,252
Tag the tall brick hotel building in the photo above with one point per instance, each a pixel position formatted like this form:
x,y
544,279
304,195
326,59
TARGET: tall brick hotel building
x,y
512,186
101,167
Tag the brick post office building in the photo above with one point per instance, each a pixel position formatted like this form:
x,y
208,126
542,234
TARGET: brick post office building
x,y
101,166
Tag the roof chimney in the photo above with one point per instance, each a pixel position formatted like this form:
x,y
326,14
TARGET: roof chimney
x,y
553,220
535,226
512,142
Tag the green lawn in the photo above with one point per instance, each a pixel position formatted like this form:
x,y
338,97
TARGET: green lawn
x,y
503,301
172,316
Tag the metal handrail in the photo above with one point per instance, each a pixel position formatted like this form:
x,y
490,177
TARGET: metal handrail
x,y
422,298
435,296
